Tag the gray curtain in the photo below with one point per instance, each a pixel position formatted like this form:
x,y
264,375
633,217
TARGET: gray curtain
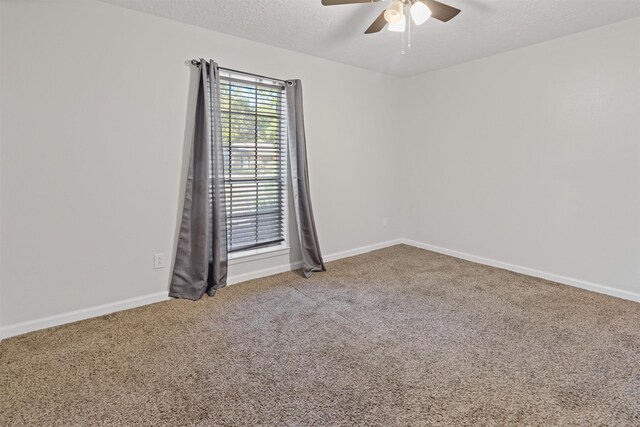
x,y
201,257
311,256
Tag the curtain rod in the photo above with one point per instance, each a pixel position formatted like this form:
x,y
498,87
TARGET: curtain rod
x,y
196,62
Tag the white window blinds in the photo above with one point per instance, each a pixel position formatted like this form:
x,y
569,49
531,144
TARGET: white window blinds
x,y
254,146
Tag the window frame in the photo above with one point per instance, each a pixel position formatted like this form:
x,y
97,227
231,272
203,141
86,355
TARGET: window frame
x,y
281,248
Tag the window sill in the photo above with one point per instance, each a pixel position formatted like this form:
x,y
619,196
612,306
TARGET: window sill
x,y
257,254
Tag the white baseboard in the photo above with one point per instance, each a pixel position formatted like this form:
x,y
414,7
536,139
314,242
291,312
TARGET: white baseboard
x,y
85,313
74,316
239,278
601,289
362,250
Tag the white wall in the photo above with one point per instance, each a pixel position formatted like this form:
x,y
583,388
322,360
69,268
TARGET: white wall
x,y
94,115
532,157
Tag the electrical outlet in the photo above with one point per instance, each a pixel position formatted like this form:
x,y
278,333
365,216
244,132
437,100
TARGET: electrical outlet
x,y
385,222
158,261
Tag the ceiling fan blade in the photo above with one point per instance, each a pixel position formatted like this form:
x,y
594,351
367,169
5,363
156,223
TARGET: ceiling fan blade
x,y
336,2
377,25
440,11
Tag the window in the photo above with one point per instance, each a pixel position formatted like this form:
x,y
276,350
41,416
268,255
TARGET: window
x,y
254,142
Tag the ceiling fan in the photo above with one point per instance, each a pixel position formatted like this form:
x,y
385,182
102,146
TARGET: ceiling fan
x,y
419,10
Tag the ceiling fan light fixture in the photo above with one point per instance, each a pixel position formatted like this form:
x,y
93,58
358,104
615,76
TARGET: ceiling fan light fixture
x,y
420,12
393,13
398,26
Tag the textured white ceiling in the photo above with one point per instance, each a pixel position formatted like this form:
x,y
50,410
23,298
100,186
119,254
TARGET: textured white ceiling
x,y
483,28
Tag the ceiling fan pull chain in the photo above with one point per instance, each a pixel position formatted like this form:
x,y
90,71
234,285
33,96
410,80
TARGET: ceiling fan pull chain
x,y
403,17
409,25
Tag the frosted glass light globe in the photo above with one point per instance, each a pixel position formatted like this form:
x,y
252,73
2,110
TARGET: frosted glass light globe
x,y
394,12
399,26
420,12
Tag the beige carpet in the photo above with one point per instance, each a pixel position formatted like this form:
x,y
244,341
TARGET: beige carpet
x,y
399,336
